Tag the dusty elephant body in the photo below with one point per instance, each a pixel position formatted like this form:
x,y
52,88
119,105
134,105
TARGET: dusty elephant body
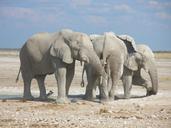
x,y
147,62
48,53
121,62
113,53
151,69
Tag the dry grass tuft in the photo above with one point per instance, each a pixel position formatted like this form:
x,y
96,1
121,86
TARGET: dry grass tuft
x,y
165,78
22,100
9,53
103,110
4,100
163,55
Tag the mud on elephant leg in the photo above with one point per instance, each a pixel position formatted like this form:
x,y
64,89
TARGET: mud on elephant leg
x,y
40,80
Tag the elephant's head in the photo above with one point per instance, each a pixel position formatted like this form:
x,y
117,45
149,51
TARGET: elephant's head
x,y
148,63
69,45
144,58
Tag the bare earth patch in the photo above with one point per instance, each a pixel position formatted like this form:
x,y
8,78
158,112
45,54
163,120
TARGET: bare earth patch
x,y
137,112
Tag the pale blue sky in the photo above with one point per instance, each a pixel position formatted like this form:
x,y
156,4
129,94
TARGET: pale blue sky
x,y
148,21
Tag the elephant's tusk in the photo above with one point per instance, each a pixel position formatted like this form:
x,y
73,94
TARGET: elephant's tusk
x,y
85,59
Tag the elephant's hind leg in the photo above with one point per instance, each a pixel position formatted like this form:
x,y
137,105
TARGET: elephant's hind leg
x,y
115,81
40,80
127,82
27,87
116,73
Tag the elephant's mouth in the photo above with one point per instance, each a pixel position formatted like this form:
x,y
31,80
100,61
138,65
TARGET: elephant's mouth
x,y
82,56
85,59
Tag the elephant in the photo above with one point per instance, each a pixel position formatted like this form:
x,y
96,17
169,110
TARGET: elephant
x,y
55,53
121,59
149,65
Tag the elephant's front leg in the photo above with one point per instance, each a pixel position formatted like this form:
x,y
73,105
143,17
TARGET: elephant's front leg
x,y
91,89
127,82
91,86
69,76
60,75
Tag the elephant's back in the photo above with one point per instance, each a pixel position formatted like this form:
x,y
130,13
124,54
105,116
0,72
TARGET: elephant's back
x,y
35,54
38,45
98,45
117,45
145,50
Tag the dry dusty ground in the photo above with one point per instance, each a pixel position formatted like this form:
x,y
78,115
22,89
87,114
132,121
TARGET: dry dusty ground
x,y
137,112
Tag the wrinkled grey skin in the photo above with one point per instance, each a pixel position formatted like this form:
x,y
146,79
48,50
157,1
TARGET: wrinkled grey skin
x,y
48,53
151,69
113,53
119,63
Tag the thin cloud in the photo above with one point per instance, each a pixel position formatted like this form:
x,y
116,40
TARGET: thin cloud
x,y
76,3
28,14
123,8
96,20
18,12
159,5
164,15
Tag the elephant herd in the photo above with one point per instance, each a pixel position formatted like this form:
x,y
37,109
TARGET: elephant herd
x,y
107,59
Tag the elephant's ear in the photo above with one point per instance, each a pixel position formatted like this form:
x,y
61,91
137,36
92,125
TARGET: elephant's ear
x,y
131,63
129,42
61,50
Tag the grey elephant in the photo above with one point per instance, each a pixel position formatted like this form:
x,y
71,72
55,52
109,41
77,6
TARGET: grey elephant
x,y
148,64
48,53
121,60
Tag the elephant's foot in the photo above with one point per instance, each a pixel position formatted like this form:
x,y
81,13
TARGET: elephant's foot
x,y
89,98
127,96
43,98
61,100
111,98
105,100
149,91
28,97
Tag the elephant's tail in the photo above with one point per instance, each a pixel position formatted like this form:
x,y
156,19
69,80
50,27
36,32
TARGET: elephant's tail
x,y
18,75
82,81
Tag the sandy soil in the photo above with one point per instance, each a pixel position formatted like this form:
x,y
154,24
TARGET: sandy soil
x,y
137,112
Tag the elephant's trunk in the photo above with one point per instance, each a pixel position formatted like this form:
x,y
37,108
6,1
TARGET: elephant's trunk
x,y
89,56
154,77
